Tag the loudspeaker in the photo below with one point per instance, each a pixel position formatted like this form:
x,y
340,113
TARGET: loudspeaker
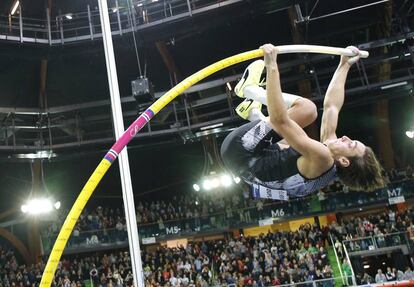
x,y
142,90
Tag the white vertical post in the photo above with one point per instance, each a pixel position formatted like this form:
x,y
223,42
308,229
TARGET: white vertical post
x,y
90,22
127,192
21,23
337,258
61,28
189,8
49,30
350,264
118,16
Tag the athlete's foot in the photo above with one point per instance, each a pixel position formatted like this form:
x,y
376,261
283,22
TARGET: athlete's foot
x,y
250,110
251,76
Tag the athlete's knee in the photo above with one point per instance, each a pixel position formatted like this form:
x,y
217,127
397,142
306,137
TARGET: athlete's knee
x,y
308,109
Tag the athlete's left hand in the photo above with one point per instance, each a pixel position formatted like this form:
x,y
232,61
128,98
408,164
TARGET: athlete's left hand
x,y
270,55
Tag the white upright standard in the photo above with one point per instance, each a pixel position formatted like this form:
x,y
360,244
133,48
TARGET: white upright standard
x,y
127,193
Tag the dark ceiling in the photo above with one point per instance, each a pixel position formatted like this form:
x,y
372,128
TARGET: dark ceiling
x,y
77,74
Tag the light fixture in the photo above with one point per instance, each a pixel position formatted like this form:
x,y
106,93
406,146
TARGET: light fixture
x,y
207,184
214,175
57,205
409,134
39,206
115,9
215,182
69,16
24,208
225,180
196,187
228,86
366,266
15,6
393,85
43,154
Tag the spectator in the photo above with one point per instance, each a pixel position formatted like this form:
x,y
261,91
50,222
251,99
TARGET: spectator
x,y
399,273
390,275
408,274
367,279
380,277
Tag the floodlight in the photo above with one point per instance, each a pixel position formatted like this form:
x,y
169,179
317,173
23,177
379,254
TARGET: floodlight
x,y
226,180
15,6
196,187
207,184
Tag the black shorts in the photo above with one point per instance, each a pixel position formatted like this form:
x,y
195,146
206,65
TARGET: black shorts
x,y
251,151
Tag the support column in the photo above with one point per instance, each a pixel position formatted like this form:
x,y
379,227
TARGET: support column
x,y
304,86
33,233
43,81
168,60
381,109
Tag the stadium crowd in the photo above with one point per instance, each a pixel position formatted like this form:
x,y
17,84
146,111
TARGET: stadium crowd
x,y
271,259
268,260
381,229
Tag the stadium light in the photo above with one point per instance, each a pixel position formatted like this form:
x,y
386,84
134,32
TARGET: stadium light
x,y
39,206
409,134
14,7
207,184
213,181
225,180
196,187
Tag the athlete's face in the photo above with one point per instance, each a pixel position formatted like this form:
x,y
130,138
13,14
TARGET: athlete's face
x,y
344,148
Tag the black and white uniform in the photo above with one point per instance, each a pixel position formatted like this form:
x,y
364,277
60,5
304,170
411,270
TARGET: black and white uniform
x,y
252,153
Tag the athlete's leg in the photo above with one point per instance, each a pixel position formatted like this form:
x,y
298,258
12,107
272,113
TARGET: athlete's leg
x,y
303,111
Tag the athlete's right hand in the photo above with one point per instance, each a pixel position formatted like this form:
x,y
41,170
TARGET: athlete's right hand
x,y
350,60
270,55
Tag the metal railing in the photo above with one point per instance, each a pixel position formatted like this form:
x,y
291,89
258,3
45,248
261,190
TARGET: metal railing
x,y
377,241
327,282
69,27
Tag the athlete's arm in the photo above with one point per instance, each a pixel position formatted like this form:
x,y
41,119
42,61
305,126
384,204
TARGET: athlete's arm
x,y
278,115
334,98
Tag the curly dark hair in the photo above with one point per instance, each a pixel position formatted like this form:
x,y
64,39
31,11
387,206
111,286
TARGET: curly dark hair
x,y
363,173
